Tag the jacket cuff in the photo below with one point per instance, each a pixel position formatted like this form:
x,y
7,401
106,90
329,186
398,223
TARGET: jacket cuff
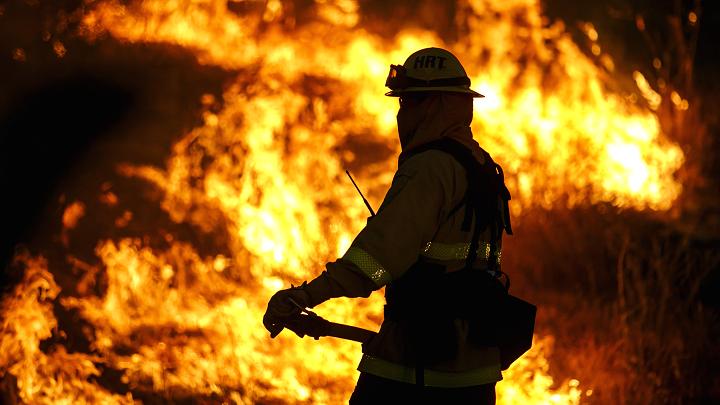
x,y
319,290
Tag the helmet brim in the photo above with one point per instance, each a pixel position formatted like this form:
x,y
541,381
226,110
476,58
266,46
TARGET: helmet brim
x,y
449,89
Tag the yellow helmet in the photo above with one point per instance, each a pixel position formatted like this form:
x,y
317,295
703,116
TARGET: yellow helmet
x,y
429,69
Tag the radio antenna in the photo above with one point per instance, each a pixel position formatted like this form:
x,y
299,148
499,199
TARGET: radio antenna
x,y
367,204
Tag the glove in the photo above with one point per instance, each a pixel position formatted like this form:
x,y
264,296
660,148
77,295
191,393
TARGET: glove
x,y
308,323
281,310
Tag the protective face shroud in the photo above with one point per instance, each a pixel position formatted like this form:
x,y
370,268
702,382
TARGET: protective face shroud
x,y
434,116
429,69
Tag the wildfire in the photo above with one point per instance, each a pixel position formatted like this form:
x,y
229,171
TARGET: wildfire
x,y
267,171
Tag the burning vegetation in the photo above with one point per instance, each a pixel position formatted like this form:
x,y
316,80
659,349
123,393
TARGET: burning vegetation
x,y
255,198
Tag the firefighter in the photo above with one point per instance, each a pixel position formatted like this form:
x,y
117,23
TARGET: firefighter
x,y
435,246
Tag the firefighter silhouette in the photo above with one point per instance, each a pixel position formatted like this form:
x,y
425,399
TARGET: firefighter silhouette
x,y
435,244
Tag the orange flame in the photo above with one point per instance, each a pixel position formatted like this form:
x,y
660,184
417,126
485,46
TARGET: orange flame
x,y
44,378
547,116
267,171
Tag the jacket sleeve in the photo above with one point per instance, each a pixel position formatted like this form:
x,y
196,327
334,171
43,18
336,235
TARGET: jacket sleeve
x,y
417,202
341,279
407,219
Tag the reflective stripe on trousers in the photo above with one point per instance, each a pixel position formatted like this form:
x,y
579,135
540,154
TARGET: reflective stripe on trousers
x,y
373,390
398,372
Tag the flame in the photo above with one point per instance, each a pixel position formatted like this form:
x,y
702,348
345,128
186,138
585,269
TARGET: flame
x,y
51,377
547,118
266,171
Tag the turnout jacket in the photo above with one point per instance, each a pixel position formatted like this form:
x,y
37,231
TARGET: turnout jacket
x,y
418,219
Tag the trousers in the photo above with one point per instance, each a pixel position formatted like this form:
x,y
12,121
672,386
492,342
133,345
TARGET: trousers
x,y
371,389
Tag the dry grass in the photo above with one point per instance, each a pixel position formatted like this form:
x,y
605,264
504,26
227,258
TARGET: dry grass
x,y
620,291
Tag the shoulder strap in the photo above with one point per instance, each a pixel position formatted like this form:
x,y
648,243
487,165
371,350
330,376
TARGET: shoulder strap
x,y
485,183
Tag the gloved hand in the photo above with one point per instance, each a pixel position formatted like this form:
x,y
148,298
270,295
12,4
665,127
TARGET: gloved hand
x,y
308,323
280,309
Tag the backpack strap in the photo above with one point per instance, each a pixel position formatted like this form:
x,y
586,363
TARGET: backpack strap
x,y
486,182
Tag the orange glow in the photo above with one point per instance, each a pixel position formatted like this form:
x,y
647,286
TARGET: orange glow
x,y
59,49
72,214
19,55
109,198
266,172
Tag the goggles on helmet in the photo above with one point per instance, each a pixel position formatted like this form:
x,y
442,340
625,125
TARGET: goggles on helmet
x,y
398,80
